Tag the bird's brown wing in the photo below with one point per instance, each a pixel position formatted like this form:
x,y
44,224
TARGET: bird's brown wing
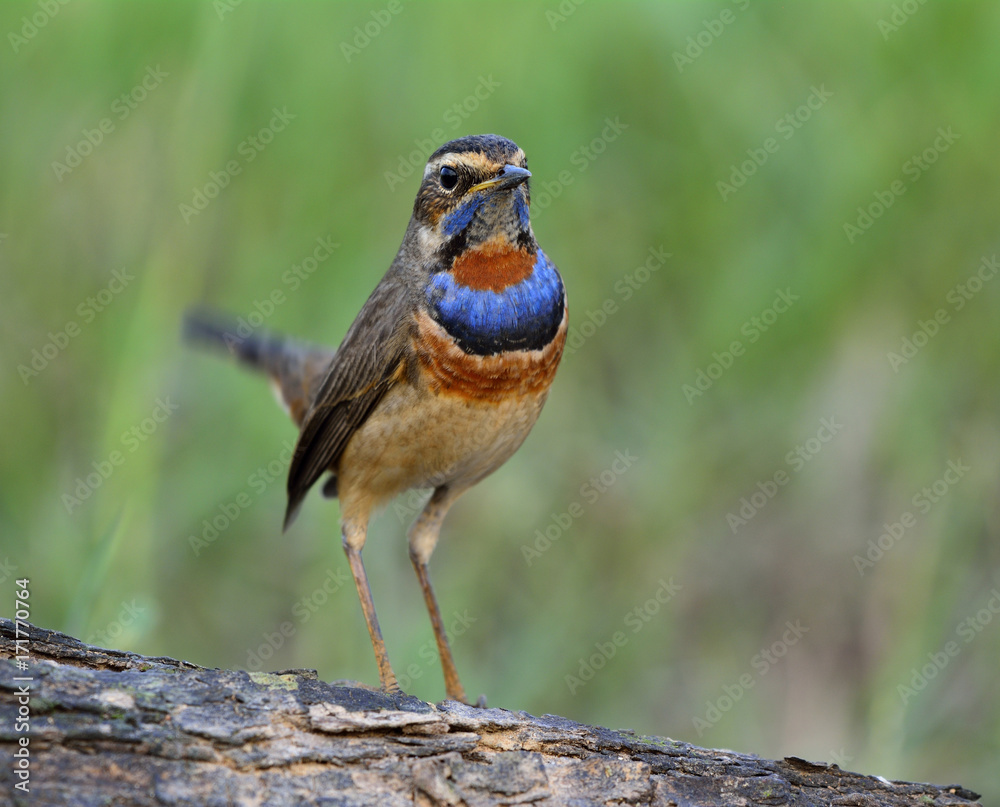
x,y
368,363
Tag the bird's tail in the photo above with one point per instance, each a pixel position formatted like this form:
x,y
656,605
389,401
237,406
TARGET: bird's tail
x,y
296,369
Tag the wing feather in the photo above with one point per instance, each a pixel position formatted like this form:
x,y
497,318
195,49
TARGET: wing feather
x,y
367,364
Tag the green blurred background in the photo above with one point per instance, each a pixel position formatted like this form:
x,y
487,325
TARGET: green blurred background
x,y
692,92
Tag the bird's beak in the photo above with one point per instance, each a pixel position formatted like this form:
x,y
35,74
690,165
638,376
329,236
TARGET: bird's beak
x,y
509,177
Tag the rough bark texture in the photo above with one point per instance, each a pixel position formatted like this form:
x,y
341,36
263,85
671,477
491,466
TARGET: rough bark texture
x,y
109,727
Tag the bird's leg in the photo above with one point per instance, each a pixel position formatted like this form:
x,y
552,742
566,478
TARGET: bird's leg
x,y
354,541
423,538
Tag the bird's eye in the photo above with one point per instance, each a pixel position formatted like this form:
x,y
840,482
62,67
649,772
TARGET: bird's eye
x,y
449,177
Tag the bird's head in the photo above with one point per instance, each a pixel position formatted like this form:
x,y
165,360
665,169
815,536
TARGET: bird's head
x,y
474,191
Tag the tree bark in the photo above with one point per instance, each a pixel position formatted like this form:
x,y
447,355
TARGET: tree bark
x,y
109,727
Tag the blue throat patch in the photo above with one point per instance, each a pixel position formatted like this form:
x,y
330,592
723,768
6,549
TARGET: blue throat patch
x,y
524,316
460,217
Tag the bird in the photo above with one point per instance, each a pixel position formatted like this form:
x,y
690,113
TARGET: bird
x,y
441,376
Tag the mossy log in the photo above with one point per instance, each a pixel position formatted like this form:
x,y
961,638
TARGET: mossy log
x,y
108,727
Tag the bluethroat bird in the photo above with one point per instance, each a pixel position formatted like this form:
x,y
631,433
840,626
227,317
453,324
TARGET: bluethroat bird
x,y
440,377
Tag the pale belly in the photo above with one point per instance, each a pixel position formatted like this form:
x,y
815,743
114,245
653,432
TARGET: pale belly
x,y
417,439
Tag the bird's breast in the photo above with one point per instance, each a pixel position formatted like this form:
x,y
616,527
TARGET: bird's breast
x,y
460,418
497,298
448,369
